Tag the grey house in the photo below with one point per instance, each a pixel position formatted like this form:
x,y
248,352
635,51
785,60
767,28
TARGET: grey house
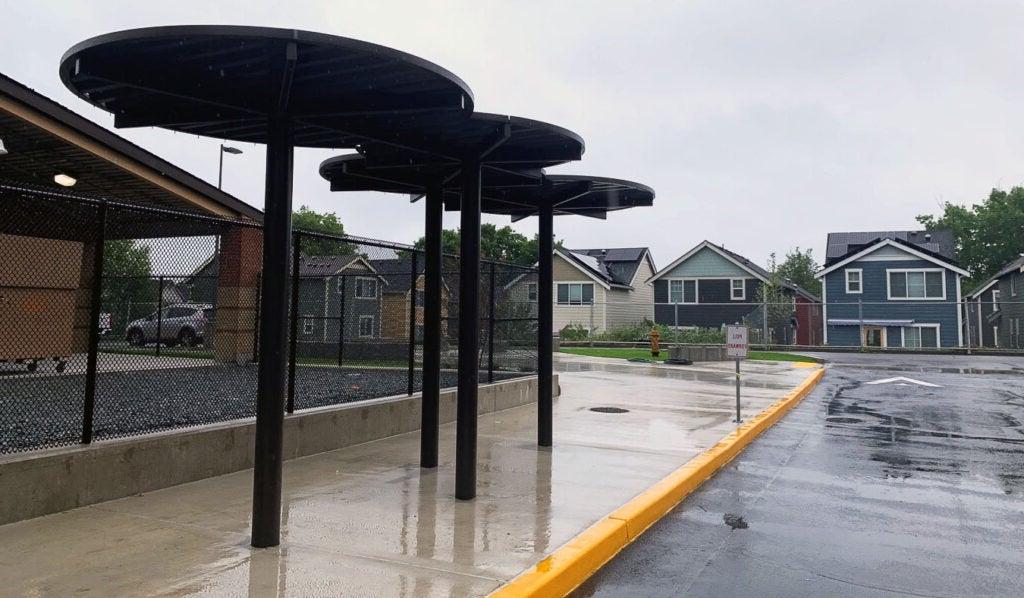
x,y
892,289
996,309
338,292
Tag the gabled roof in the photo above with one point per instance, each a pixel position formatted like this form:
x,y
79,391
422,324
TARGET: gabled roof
x,y
328,265
939,242
397,273
613,268
911,248
1016,265
745,264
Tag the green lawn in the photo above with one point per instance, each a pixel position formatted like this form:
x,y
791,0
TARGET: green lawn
x,y
627,353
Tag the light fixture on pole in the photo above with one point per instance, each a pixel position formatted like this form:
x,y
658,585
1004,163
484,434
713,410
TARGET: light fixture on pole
x,y
224,149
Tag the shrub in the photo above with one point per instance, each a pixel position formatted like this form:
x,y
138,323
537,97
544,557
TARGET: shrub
x,y
574,332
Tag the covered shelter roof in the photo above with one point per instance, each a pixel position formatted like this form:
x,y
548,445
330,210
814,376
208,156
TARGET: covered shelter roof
x,y
569,195
218,81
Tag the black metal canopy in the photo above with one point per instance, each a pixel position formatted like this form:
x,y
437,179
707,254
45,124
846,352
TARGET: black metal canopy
x,y
224,81
568,195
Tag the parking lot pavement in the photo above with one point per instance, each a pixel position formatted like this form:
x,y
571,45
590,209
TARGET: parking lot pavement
x,y
871,487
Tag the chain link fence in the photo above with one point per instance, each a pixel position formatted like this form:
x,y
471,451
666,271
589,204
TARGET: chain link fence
x,y
122,320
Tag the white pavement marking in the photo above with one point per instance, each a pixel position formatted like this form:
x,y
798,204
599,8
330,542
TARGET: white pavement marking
x,y
903,381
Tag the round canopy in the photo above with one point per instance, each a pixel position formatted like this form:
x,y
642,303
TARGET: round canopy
x,y
224,81
568,195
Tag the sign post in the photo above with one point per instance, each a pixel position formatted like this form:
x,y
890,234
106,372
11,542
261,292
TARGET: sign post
x,y
736,345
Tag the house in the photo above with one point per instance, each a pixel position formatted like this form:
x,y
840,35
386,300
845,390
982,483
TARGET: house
x,y
396,294
337,289
892,289
601,289
996,309
710,287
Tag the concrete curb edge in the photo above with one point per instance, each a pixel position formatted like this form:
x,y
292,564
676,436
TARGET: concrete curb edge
x,y
566,568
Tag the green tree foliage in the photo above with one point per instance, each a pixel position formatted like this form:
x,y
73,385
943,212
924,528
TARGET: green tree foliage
x,y
502,244
128,286
306,219
987,235
777,299
799,268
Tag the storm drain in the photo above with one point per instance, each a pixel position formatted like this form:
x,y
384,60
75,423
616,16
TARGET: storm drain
x,y
609,409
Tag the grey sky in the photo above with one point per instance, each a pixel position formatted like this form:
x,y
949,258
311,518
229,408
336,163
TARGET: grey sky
x,y
761,125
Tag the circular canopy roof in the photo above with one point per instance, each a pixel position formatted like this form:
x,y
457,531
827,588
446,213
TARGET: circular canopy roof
x,y
438,148
224,81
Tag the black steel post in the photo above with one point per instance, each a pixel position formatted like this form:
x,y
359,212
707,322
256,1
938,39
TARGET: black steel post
x,y
341,322
490,329
412,327
159,313
431,326
271,385
469,333
545,323
293,324
96,297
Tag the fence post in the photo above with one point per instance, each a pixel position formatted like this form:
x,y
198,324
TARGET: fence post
x,y
411,385
293,324
764,325
89,403
159,314
860,318
490,332
341,322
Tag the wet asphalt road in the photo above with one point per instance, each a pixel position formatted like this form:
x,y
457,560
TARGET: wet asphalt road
x,y
862,490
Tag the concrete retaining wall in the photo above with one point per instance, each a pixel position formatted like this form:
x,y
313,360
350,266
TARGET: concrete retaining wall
x,y
54,480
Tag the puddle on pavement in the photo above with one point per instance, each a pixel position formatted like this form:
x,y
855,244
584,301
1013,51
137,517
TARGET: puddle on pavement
x,y
609,410
735,521
924,369
722,377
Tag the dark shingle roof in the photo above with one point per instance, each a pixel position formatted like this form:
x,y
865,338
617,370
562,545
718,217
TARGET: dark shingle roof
x,y
764,273
1013,266
939,242
616,265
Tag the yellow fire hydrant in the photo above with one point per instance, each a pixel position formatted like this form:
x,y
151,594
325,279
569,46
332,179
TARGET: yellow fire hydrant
x,y
655,337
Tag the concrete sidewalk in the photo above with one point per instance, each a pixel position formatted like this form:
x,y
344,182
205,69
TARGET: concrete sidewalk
x,y
367,521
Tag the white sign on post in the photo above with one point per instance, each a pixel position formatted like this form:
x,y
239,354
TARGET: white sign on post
x,y
736,342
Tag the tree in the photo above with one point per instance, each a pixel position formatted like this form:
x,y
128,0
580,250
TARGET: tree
x,y
500,244
799,268
777,299
128,285
987,235
325,223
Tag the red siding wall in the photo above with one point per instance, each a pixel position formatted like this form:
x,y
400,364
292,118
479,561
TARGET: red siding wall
x,y
809,323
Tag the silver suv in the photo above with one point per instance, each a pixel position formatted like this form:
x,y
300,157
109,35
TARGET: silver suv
x,y
182,324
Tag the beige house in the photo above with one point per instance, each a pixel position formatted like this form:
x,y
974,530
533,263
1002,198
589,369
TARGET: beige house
x,y
603,289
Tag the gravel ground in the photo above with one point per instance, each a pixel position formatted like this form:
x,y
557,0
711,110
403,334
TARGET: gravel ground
x,y
44,411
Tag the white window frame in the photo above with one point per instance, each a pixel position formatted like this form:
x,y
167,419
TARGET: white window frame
x,y
570,284
682,291
860,280
308,324
532,291
363,318
1013,284
925,271
339,286
995,300
376,287
938,335
742,289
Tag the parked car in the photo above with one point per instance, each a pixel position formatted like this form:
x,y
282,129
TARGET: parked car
x,y
182,324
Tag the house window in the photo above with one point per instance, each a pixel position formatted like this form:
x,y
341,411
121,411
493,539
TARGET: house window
x,y
916,337
995,300
917,284
365,326
575,293
738,289
531,291
307,324
682,291
854,281
366,288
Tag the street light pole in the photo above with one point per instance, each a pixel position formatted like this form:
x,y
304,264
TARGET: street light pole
x,y
224,149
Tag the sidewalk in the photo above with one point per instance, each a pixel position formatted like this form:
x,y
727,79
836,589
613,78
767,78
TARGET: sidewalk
x,y
366,521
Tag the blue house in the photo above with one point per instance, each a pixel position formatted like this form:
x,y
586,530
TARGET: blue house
x,y
892,289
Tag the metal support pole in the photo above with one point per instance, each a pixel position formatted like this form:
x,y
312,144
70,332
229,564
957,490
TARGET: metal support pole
x,y
293,323
271,385
96,297
341,322
738,420
431,327
764,326
159,313
411,385
545,323
490,330
469,333
860,318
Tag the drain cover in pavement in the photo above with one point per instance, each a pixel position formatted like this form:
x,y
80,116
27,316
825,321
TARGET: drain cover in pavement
x,y
609,409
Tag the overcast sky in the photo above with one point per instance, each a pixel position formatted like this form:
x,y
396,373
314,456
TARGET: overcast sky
x,y
761,125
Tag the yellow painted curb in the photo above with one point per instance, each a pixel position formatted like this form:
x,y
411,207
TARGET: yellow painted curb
x,y
569,566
